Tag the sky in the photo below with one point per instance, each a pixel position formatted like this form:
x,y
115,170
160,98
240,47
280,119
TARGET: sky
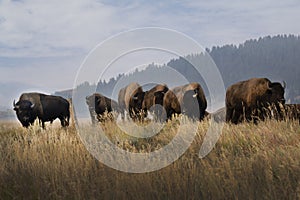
x,y
44,43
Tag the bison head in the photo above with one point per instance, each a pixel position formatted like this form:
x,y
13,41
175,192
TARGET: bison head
x,y
276,93
25,112
137,100
91,101
191,104
136,105
159,97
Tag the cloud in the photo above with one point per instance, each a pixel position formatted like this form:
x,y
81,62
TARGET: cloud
x,y
53,28
234,21
48,73
43,43
63,28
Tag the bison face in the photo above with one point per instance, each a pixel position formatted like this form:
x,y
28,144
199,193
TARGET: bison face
x,y
137,100
276,93
159,97
136,105
24,111
90,101
191,104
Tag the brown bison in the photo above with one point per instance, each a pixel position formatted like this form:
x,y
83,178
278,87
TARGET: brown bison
x,y
152,98
130,99
248,100
188,99
44,107
99,104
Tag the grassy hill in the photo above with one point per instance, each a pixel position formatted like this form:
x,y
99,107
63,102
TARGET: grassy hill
x,y
248,162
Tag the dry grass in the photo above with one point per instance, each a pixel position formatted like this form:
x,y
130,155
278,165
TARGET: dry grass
x,y
248,162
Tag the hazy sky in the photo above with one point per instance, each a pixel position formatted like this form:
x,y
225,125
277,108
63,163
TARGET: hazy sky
x,y
43,43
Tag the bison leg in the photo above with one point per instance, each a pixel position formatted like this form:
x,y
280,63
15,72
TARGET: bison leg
x,y
40,122
202,115
132,114
26,125
68,120
170,114
100,118
229,114
63,122
43,125
235,119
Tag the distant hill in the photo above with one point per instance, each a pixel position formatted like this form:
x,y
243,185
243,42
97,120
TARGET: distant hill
x,y
7,114
64,93
277,58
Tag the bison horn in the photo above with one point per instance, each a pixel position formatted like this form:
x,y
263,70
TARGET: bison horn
x,y
196,93
15,106
32,105
269,87
135,98
284,84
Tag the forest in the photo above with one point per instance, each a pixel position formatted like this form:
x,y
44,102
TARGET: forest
x,y
276,57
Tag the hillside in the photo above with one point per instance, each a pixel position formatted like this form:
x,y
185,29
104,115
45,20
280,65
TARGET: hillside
x,y
277,58
248,162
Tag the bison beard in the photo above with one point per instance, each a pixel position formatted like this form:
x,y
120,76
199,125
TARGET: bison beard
x,y
24,111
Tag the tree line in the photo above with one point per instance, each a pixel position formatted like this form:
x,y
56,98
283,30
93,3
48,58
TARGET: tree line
x,y
277,58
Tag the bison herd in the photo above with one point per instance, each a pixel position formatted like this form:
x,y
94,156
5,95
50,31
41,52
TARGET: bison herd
x,y
250,100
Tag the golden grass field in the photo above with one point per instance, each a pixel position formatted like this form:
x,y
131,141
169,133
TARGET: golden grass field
x,y
248,162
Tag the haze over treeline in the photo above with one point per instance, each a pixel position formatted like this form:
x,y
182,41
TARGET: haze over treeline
x,y
277,58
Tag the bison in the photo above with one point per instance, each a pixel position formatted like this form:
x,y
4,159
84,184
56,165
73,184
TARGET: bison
x,y
44,107
152,98
248,100
188,99
130,99
98,104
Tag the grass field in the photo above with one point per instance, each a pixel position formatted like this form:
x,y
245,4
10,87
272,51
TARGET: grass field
x,y
248,162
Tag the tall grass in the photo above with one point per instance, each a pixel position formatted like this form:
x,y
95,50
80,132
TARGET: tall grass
x,y
248,162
